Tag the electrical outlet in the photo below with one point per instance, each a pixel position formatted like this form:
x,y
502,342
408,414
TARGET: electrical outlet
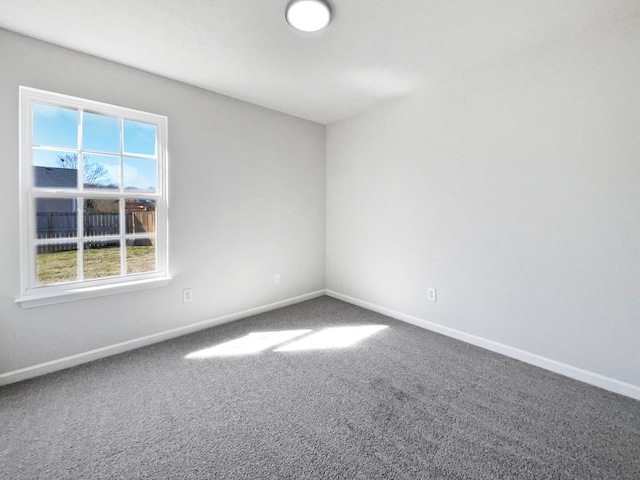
x,y
187,295
431,294
276,278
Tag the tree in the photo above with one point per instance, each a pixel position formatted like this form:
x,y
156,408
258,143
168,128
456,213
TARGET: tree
x,y
95,175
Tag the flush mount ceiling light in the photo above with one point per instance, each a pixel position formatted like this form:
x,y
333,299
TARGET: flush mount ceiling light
x,y
308,15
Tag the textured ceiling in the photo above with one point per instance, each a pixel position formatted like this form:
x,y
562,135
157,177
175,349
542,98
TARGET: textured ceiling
x,y
373,52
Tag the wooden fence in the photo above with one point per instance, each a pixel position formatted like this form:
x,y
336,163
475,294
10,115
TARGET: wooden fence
x,y
61,225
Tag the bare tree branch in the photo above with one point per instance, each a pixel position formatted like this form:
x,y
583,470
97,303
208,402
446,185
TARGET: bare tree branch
x,y
94,175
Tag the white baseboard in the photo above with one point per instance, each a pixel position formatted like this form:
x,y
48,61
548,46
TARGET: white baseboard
x,y
73,360
570,371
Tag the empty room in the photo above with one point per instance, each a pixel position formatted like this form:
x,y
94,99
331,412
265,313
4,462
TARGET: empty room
x,y
319,239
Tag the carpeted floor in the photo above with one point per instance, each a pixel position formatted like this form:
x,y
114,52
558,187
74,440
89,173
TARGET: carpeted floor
x,y
403,403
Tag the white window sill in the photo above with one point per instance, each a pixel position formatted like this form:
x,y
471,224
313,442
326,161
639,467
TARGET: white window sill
x,y
40,300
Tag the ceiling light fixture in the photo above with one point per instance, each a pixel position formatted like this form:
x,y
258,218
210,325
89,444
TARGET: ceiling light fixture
x,y
308,15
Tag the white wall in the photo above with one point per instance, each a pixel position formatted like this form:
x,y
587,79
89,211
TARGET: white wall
x,y
247,199
515,191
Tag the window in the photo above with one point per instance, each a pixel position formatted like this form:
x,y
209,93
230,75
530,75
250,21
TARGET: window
x,y
93,198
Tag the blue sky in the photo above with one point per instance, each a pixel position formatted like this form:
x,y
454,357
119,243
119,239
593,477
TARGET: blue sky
x,y
58,127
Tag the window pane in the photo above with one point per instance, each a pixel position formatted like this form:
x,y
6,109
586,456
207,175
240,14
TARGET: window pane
x,y
55,126
139,138
55,169
140,174
55,158
101,217
100,133
57,263
56,217
141,255
101,171
141,215
101,259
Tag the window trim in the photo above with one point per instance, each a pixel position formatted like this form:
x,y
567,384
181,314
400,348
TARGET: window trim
x,y
32,295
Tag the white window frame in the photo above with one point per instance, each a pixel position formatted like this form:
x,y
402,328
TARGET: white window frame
x,y
33,295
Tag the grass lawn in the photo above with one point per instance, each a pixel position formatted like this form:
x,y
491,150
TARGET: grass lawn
x,y
60,267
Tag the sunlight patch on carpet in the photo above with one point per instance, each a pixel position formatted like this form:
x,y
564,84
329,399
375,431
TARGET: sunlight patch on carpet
x,y
252,343
255,342
329,338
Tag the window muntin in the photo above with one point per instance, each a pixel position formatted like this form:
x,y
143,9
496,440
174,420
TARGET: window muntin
x,y
93,194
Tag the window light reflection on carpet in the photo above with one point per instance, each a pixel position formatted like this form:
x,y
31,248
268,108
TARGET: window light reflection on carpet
x,y
252,343
329,338
255,342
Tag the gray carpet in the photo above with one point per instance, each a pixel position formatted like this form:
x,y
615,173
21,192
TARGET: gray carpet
x,y
404,403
